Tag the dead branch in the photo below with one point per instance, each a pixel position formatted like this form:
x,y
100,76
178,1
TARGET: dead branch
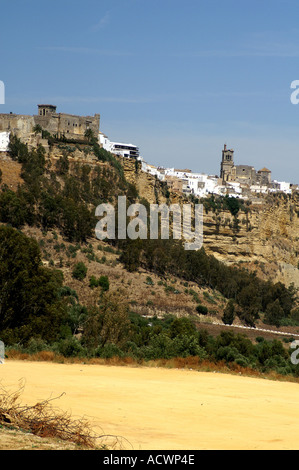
x,y
43,420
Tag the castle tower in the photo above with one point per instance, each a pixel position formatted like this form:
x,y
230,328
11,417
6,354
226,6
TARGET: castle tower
x,y
46,109
227,164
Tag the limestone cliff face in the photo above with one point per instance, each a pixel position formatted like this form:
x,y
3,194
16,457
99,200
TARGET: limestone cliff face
x,y
267,233
147,185
267,239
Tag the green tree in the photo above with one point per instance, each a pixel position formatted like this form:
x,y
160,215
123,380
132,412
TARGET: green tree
x,y
12,210
274,313
29,300
229,313
108,322
79,271
182,326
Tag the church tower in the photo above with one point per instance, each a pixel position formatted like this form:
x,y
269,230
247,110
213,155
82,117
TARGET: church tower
x,y
227,164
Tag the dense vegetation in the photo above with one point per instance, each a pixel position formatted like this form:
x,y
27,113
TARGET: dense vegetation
x,y
30,304
60,198
251,295
111,330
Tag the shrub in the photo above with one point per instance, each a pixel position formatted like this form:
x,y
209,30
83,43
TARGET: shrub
x,y
108,351
69,347
79,271
93,282
202,309
36,345
182,326
149,281
103,282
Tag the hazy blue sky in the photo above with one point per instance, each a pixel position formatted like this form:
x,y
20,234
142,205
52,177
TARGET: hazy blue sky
x,y
178,78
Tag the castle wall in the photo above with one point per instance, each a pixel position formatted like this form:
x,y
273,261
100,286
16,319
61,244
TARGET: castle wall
x,y
18,124
60,124
69,125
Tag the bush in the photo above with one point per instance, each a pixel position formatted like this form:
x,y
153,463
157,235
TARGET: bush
x,y
182,326
93,282
79,271
202,309
36,345
102,282
149,281
69,347
108,351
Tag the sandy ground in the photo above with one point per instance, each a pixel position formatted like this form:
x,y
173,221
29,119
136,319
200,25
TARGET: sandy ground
x,y
162,409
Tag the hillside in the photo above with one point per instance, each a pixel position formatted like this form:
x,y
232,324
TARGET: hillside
x,y
247,269
263,236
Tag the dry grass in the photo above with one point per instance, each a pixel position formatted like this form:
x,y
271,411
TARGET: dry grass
x,y
11,173
45,421
190,362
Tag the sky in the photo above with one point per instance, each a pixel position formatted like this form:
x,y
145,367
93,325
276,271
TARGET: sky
x,y
177,78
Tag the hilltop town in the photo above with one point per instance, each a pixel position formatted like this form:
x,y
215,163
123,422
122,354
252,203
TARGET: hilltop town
x,y
242,181
235,180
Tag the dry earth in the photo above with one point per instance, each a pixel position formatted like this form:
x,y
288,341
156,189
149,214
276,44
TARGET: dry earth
x,y
13,439
162,409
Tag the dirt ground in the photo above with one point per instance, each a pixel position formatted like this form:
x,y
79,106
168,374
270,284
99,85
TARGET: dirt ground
x,y
163,409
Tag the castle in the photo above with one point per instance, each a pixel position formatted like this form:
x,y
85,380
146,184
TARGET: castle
x,y
58,124
61,125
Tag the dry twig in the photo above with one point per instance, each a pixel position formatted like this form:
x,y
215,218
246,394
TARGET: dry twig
x,y
43,420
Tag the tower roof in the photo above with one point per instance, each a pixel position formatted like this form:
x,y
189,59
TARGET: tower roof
x,y
265,170
47,106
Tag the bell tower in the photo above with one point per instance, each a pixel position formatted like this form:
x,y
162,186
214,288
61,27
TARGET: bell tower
x,y
227,164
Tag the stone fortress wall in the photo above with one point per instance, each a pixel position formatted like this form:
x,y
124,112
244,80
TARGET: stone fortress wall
x,y
58,124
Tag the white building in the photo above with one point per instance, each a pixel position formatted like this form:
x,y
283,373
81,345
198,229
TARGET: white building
x,y
4,141
153,170
119,148
198,184
260,189
285,187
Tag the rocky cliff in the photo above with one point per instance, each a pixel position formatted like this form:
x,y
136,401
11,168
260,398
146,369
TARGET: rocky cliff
x,y
266,239
263,236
